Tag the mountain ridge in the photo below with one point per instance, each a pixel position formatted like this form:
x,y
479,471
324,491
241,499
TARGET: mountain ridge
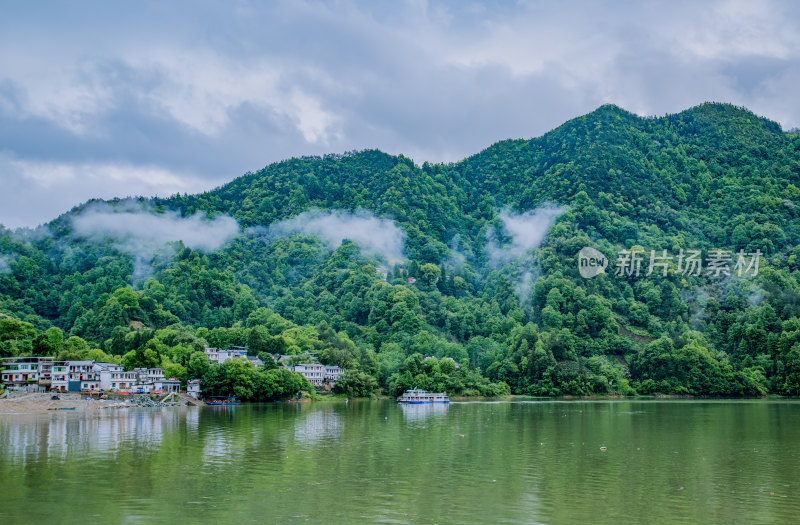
x,y
481,282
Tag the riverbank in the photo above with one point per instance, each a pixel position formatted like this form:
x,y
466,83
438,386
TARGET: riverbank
x,y
35,403
41,402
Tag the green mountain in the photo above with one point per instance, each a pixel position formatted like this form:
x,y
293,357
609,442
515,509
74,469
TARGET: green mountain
x,y
373,263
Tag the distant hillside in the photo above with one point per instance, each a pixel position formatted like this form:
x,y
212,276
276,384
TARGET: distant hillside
x,y
476,260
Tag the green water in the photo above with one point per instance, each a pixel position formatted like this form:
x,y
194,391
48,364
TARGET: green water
x,y
377,462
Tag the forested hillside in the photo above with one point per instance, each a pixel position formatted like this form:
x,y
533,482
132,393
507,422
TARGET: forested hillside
x,y
374,263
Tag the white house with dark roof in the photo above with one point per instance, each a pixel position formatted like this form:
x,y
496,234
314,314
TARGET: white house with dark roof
x,y
193,388
332,374
314,372
218,356
105,373
318,374
26,373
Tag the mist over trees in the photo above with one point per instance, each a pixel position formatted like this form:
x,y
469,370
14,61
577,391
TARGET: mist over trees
x,y
459,277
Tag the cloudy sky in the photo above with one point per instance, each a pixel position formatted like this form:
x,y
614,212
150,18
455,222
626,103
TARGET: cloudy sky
x,y
104,99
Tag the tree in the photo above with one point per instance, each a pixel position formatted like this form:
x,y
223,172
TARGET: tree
x,y
50,342
198,365
429,274
240,377
15,337
268,360
355,384
177,371
258,340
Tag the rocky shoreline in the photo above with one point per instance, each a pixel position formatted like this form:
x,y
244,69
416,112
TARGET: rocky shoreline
x,y
33,403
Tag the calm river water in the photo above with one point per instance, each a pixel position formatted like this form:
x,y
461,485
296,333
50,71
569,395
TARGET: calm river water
x,y
377,462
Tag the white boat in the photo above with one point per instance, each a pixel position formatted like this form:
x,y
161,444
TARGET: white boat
x,y
419,397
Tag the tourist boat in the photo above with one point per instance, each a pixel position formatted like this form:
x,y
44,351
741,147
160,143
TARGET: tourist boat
x,y
222,400
419,397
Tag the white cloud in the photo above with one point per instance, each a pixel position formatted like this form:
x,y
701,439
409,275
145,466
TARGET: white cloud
x,y
129,222
526,231
374,235
143,233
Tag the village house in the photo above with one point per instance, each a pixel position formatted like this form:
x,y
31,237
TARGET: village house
x,y
255,360
314,372
123,380
60,376
40,374
46,372
149,375
25,373
104,373
217,356
148,380
193,388
318,374
168,386
332,374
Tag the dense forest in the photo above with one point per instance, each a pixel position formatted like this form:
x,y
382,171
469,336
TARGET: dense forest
x,y
386,268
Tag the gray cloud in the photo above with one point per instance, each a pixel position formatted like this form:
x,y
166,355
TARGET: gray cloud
x,y
373,235
201,93
36,191
145,234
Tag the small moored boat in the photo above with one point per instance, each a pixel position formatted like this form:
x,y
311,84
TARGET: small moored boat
x,y
222,400
419,397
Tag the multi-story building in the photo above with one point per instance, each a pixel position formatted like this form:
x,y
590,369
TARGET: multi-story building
x,y
25,373
318,374
60,376
42,373
81,375
46,372
104,373
332,373
148,379
314,372
149,375
217,356
123,381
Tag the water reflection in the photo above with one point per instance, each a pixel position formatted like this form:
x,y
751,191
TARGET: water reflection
x,y
317,425
376,461
49,436
417,413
